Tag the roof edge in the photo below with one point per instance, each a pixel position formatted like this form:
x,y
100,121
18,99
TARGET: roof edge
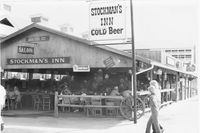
x,y
48,29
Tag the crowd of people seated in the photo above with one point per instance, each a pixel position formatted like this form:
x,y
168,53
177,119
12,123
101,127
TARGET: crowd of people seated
x,y
13,97
99,84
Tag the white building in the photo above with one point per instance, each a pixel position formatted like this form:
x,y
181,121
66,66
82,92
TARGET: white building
x,y
187,54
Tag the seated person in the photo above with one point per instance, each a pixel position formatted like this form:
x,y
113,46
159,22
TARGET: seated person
x,y
17,96
10,98
126,93
10,93
115,91
107,90
66,91
82,99
65,100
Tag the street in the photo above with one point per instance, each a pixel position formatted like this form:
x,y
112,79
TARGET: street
x,y
180,117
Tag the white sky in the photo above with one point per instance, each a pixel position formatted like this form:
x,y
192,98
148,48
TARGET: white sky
x,y
157,23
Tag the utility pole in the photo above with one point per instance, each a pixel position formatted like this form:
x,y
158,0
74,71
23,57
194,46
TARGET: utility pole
x,y
134,89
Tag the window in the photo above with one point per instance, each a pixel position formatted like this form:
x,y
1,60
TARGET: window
x,y
174,50
167,50
175,56
181,50
188,50
181,56
188,56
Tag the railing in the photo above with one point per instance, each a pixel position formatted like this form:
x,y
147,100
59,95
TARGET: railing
x,y
166,98
87,105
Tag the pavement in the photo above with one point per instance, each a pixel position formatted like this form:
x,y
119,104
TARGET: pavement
x,y
179,117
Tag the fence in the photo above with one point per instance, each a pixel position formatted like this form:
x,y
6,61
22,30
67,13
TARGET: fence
x,y
166,98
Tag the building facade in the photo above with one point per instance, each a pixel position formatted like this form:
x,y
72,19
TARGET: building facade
x,y
187,54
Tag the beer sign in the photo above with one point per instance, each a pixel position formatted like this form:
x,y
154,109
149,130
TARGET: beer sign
x,y
107,21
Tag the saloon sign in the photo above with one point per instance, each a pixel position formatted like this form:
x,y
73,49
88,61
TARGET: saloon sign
x,y
107,20
25,50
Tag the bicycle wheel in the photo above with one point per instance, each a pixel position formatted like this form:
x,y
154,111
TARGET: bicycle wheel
x,y
127,108
139,108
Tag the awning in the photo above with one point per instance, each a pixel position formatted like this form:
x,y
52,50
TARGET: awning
x,y
171,68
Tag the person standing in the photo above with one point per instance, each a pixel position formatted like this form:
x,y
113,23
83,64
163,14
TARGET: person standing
x,y
155,103
2,103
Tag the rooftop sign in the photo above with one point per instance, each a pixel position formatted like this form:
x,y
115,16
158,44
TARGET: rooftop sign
x,y
107,20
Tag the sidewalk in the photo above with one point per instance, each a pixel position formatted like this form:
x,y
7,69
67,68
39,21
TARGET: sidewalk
x,y
180,117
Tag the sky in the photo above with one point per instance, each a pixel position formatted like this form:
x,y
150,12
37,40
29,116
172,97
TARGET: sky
x,y
157,23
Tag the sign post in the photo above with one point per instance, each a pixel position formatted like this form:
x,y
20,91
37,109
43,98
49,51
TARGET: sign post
x,y
108,22
134,89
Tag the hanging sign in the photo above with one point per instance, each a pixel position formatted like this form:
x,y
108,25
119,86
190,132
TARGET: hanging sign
x,y
170,61
81,68
109,62
107,20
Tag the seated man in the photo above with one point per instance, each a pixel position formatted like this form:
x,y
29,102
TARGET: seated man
x,y
11,98
82,99
17,96
126,93
115,91
66,91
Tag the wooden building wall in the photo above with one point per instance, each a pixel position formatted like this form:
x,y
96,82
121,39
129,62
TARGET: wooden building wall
x,y
57,46
147,53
